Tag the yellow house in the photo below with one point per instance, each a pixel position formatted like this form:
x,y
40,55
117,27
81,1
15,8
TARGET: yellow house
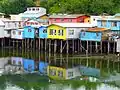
x,y
56,32
59,73
66,30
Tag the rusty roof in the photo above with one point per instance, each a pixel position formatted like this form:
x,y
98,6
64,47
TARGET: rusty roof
x,y
97,29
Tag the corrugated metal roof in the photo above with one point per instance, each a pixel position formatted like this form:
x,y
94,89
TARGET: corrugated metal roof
x,y
86,25
97,29
1,23
65,16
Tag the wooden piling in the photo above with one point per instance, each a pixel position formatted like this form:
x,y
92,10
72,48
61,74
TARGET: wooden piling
x,y
49,46
39,43
78,45
55,46
67,46
73,46
96,47
101,47
108,47
61,46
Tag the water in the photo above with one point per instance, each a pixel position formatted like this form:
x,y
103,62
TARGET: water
x,y
30,70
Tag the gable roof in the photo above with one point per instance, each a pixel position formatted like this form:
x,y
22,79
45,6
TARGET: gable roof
x,y
66,15
81,25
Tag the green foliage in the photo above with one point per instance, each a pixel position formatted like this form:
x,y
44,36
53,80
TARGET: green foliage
x,y
95,7
82,6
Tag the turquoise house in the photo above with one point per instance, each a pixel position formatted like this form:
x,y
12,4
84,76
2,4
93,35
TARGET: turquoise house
x,y
94,34
43,67
28,32
43,32
90,36
29,65
112,23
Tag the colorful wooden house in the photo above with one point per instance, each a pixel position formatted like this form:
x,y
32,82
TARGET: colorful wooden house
x,y
17,61
2,25
17,34
88,71
94,34
65,18
43,32
29,65
29,32
43,67
60,73
66,30
11,25
33,12
37,22
112,23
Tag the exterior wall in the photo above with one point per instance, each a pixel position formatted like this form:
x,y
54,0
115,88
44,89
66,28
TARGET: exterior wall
x,y
16,61
43,32
62,20
55,35
88,71
3,62
87,20
2,32
72,73
118,45
17,34
91,36
76,33
7,33
94,20
29,65
53,72
29,32
43,67
82,19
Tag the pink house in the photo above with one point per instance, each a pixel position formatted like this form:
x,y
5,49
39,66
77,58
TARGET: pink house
x,y
73,18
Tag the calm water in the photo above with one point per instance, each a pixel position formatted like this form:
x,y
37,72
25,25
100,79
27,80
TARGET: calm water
x,y
28,70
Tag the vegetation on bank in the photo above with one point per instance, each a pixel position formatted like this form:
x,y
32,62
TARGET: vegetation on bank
x,y
96,7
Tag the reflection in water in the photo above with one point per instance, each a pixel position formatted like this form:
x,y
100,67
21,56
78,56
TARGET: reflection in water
x,y
40,71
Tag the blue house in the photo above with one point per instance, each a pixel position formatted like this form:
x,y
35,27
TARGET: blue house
x,y
43,67
88,71
29,65
112,23
43,32
28,32
93,34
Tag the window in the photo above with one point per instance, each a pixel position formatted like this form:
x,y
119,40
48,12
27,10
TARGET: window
x,y
94,19
71,32
70,74
19,33
8,32
14,62
60,73
103,23
97,34
29,30
114,24
60,32
52,32
14,32
52,72
70,20
45,30
62,19
33,9
19,63
29,9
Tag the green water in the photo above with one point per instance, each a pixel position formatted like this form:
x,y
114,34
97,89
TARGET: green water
x,y
102,72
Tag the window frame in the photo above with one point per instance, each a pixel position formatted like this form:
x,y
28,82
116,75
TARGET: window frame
x,y
71,32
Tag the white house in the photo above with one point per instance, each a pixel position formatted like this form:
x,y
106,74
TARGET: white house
x,y
33,12
11,25
17,33
2,25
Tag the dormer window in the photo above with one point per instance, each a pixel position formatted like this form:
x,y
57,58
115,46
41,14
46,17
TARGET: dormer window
x,y
29,9
33,9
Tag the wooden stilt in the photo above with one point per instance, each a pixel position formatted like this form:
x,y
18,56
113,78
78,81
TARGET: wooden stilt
x,y
55,46
73,46
31,44
101,47
36,43
96,47
108,47
39,43
61,47
87,48
45,44
90,47
49,46
78,45
67,46
114,49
